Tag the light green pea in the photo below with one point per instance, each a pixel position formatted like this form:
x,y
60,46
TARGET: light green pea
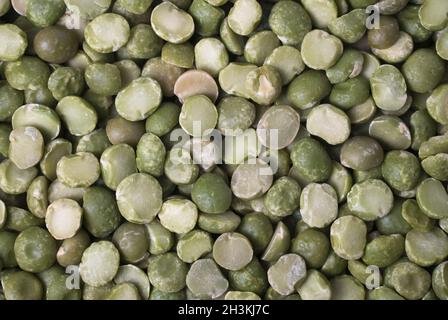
x,y
311,199
211,56
129,71
161,240
178,215
436,104
95,142
98,33
251,180
14,42
398,52
388,88
38,116
26,147
244,16
79,170
341,180
194,245
329,123
99,263
232,78
235,115
433,15
171,23
413,215
88,9
288,62
135,207
279,243
320,50
19,219
205,279
59,190
370,199
66,81
198,116
348,237
136,276
417,244
77,114
442,45
179,167
37,196
315,287
14,180
439,281
63,218
288,271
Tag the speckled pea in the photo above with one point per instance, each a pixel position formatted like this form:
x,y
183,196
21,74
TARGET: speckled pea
x,y
308,89
44,13
14,42
290,22
401,170
27,73
311,160
349,27
282,199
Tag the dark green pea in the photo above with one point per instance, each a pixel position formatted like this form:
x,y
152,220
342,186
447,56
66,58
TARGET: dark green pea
x,y
54,281
143,43
5,131
410,281
414,216
384,250
313,246
131,241
348,66
71,250
56,44
44,13
361,153
401,170
27,73
311,160
35,250
161,240
66,81
7,255
211,194
104,79
251,278
360,271
433,146
334,265
350,93
410,23
150,155
386,35
258,229
10,100
95,142
346,287
20,219
167,272
207,18
20,285
394,222
422,128
124,291
101,214
423,70
97,293
101,103
308,89
120,130
164,119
